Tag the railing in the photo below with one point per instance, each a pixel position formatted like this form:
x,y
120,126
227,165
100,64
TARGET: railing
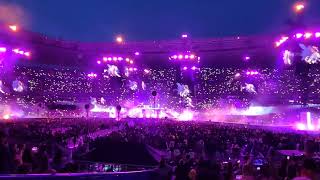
x,y
141,175
102,167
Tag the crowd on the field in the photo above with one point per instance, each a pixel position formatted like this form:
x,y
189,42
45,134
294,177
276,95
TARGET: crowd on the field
x,y
184,150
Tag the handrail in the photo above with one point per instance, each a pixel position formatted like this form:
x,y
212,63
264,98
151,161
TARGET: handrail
x,y
132,165
74,174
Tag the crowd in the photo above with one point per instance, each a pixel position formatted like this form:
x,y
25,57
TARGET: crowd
x,y
184,150
45,145
197,150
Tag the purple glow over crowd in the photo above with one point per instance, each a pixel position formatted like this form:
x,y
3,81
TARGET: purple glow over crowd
x,y
186,102
250,109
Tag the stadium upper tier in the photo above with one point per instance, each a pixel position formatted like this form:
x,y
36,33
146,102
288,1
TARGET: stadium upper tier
x,y
213,51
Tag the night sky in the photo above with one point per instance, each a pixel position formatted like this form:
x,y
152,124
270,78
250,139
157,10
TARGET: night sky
x,y
102,20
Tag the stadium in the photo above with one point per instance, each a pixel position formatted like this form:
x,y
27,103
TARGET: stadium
x,y
159,101
208,79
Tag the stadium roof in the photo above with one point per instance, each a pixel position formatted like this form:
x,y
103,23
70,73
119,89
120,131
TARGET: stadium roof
x,y
213,51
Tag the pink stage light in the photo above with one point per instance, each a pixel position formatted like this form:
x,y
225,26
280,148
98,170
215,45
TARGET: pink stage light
x,y
299,35
186,56
120,58
175,57
130,69
105,59
119,39
180,56
309,122
127,59
135,69
15,51
301,126
184,36
299,7
237,75
317,34
282,40
192,56
3,49
28,54
307,35
185,68
137,53
193,68
115,58
13,28
247,58
131,62
98,62
186,116
109,58
6,116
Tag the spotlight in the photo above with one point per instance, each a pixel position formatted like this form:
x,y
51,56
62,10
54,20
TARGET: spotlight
x,y
115,58
175,57
301,126
192,56
98,62
193,68
186,56
131,62
180,56
298,7
109,59
317,34
185,68
27,54
282,40
3,49
120,58
247,58
6,116
184,36
127,59
299,35
15,51
307,35
137,53
13,28
119,39
105,59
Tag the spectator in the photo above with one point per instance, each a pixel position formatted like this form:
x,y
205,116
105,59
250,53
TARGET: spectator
x,y
5,161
